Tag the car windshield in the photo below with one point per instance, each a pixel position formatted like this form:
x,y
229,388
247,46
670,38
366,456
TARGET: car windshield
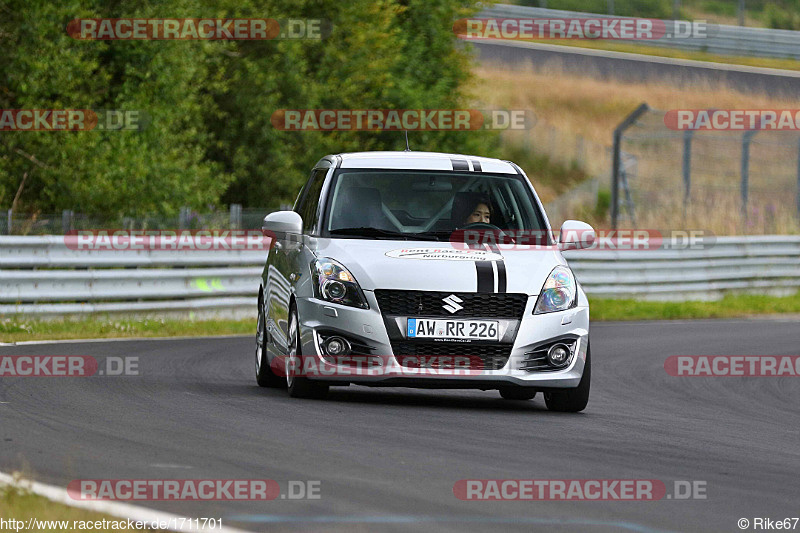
x,y
427,205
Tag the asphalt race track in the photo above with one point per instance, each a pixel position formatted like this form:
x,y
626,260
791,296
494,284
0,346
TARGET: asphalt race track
x,y
387,459
639,68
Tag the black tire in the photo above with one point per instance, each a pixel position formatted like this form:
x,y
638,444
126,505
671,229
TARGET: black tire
x,y
572,400
517,393
300,386
264,375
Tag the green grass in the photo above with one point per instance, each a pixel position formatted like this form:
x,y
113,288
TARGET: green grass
x,y
730,306
19,504
19,328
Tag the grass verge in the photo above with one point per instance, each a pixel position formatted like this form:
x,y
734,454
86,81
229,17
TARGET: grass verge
x,y
731,306
19,329
21,505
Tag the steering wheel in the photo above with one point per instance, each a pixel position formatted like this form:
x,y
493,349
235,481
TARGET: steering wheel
x,y
506,238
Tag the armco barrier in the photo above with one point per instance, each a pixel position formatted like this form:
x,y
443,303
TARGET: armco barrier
x,y
769,263
41,276
722,39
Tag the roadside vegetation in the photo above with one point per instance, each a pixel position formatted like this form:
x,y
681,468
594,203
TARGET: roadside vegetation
x,y
19,504
17,329
731,306
587,108
209,140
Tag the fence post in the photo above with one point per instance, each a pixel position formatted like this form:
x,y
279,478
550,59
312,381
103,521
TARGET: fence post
x,y
745,185
616,162
183,218
66,221
10,218
236,216
687,166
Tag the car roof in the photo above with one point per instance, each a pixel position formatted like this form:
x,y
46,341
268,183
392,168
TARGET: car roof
x,y
421,161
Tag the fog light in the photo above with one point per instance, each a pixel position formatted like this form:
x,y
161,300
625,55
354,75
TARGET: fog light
x,y
335,290
558,355
337,346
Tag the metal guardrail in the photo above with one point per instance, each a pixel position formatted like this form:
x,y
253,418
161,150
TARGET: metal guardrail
x,y
767,264
721,39
41,276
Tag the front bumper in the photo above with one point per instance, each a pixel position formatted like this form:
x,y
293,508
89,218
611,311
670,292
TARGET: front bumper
x,y
381,368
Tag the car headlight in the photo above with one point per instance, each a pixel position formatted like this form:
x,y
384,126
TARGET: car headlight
x,y
334,283
559,293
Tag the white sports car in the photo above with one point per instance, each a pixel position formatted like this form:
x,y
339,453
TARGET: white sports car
x,y
412,269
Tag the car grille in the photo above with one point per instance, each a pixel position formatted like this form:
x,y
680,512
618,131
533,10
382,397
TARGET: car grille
x,y
446,354
429,304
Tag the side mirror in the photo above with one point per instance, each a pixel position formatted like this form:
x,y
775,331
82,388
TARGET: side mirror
x,y
576,235
282,223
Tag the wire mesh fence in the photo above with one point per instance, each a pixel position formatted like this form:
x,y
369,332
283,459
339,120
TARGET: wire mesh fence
x,y
727,182
235,217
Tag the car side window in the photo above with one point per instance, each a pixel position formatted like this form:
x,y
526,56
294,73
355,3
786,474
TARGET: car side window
x,y
309,204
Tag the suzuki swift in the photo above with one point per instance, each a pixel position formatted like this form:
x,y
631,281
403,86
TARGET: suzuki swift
x,y
412,269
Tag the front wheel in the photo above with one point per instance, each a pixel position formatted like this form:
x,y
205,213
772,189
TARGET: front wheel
x,y
572,400
299,386
265,377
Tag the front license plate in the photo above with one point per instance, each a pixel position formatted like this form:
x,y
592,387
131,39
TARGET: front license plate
x,y
428,328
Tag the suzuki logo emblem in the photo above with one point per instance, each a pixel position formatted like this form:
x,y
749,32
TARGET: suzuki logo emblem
x,y
451,303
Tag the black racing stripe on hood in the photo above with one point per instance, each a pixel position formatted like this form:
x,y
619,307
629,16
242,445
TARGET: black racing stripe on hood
x,y
460,164
485,276
502,277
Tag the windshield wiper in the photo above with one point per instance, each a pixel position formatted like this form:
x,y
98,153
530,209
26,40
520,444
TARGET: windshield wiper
x,y
380,234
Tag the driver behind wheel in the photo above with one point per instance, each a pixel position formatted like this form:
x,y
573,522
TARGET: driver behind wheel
x,y
481,213
471,208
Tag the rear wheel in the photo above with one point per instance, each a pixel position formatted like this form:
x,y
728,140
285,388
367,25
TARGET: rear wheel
x,y
299,386
264,375
572,400
517,393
